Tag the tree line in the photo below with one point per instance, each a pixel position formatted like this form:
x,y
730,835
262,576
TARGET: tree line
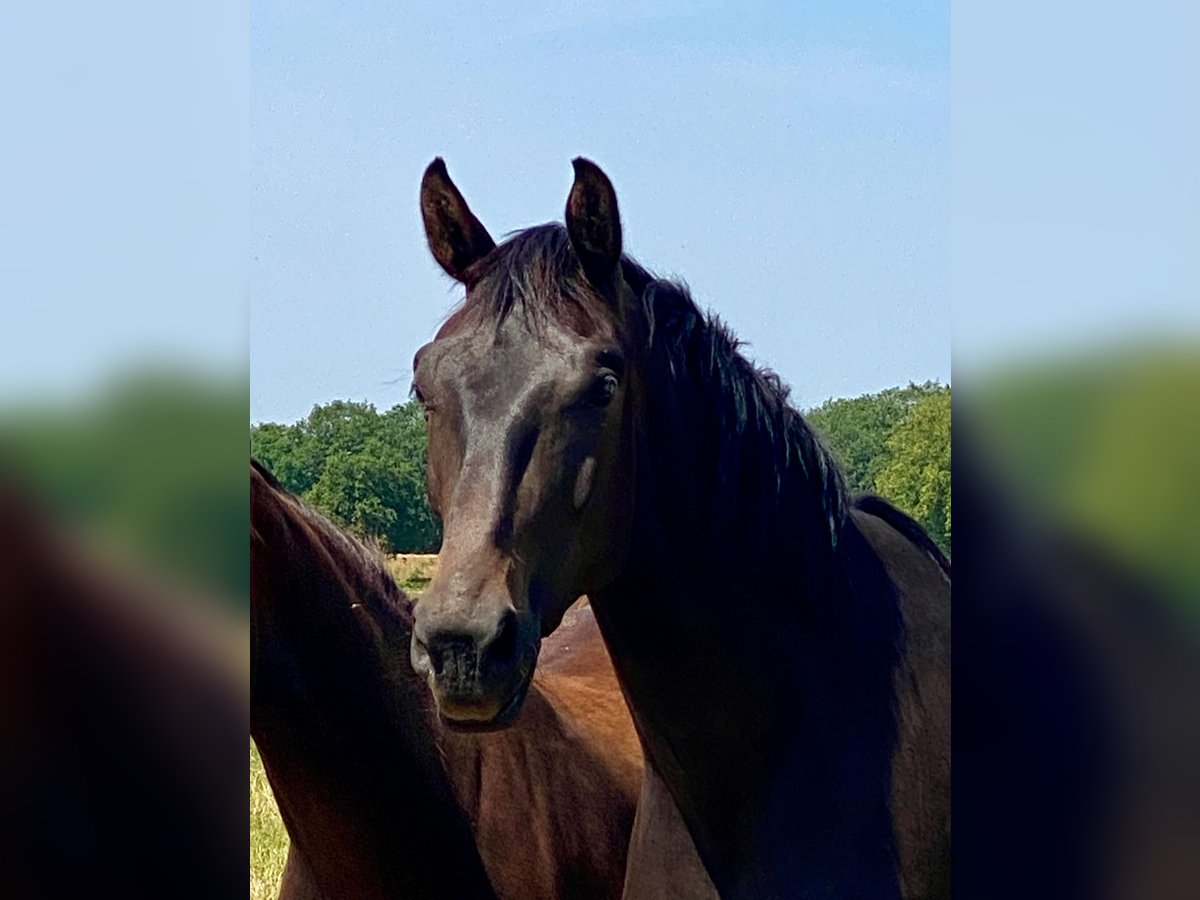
x,y
365,469
895,443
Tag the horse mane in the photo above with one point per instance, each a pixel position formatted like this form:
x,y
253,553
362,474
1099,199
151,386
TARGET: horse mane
x,y
359,564
762,438
267,476
874,505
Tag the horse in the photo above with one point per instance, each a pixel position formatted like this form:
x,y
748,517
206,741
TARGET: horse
x,y
784,647
378,798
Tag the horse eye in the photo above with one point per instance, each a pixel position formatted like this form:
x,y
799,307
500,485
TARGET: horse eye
x,y
605,390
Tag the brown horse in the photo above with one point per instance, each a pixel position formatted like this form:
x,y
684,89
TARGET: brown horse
x,y
785,650
379,800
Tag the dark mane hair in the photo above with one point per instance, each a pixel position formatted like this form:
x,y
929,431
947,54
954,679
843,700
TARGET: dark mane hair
x,y
535,273
763,442
359,564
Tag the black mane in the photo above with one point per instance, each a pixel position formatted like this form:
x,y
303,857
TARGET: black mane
x,y
763,441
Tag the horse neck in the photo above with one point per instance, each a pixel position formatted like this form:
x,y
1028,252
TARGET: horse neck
x,y
728,474
730,467
315,653
553,795
733,569
343,732
734,634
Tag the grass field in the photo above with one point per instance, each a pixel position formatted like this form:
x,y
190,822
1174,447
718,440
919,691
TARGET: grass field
x,y
268,839
413,571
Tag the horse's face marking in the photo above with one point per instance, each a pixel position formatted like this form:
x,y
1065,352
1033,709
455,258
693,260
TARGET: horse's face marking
x,y
530,461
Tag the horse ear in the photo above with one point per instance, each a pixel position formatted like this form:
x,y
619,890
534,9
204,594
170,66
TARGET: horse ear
x,y
456,238
593,222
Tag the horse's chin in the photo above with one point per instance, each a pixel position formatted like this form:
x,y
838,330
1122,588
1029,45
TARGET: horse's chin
x,y
472,717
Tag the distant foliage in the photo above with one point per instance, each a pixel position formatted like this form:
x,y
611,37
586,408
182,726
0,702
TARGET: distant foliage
x,y
365,470
916,474
857,429
895,443
148,463
1107,442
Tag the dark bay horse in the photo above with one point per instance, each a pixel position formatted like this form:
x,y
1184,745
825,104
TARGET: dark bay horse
x,y
381,801
784,648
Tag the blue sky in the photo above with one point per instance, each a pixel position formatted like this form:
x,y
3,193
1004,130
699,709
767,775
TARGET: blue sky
x,y
177,178
123,189
790,162
1075,211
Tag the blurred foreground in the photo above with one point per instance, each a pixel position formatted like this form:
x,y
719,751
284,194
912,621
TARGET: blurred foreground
x,y
124,683
1077,604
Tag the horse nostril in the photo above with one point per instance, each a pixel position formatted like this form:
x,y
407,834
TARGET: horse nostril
x,y
502,650
435,653
463,658
453,656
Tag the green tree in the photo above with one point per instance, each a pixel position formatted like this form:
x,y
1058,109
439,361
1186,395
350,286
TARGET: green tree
x,y
148,460
916,473
278,447
1103,442
418,529
363,469
856,429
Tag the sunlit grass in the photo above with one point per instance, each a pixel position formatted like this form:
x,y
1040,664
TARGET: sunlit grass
x,y
413,571
268,838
